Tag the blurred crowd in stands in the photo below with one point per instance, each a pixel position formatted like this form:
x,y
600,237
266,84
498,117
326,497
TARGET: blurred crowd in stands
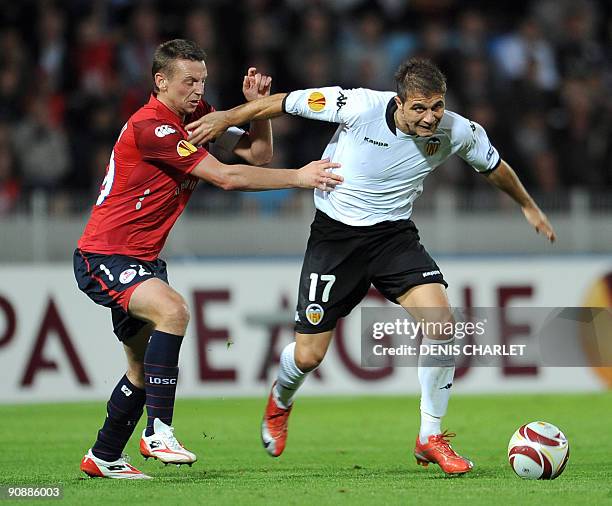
x,y
537,75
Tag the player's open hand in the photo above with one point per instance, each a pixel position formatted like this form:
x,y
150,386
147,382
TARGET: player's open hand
x,y
256,85
539,221
316,175
207,128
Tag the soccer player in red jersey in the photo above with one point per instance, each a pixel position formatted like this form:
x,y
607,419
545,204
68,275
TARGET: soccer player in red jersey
x,y
151,175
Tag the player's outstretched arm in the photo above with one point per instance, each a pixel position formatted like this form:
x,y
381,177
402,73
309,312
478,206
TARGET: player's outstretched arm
x,y
209,127
248,177
506,180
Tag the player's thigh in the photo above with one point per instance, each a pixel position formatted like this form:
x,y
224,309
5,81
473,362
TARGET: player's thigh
x,y
310,349
155,301
402,269
429,303
333,281
110,280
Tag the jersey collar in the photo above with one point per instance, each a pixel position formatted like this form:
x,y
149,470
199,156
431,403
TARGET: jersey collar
x,y
390,119
163,110
389,115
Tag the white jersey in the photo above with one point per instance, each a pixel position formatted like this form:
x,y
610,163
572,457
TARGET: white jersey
x,y
383,168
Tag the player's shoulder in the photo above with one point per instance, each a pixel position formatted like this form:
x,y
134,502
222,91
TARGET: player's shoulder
x,y
458,128
155,127
371,98
150,121
369,104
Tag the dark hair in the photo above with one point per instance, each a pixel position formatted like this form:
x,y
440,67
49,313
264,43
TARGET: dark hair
x,y
170,51
418,75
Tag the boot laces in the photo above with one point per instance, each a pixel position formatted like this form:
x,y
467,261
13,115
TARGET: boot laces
x,y
442,444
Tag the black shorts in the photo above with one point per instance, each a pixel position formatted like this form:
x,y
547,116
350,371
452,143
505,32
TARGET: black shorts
x,y
342,261
110,280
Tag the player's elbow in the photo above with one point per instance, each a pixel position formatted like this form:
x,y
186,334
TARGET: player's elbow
x,y
229,183
222,176
232,179
262,156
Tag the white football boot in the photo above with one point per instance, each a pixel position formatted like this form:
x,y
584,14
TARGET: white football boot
x,y
162,445
118,469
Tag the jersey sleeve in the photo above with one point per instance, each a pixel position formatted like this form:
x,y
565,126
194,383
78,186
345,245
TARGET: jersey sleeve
x,y
476,148
164,145
332,104
227,140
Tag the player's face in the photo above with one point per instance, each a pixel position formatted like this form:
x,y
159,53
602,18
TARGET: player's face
x,y
184,87
419,115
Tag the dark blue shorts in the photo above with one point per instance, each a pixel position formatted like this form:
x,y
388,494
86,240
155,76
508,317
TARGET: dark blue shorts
x,y
110,280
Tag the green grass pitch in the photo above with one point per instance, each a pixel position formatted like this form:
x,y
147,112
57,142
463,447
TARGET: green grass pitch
x,y
345,450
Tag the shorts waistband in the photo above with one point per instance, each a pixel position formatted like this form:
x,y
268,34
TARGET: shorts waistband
x,y
320,216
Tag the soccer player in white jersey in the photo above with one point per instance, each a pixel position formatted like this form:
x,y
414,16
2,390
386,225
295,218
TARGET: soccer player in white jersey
x,y
386,143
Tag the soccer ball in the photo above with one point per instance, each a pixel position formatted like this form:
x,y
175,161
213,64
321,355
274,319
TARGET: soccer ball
x,y
538,451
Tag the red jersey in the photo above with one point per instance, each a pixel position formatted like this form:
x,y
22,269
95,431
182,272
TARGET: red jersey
x,y
147,184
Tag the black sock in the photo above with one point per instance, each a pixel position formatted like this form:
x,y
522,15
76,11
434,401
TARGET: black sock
x,y
161,373
123,410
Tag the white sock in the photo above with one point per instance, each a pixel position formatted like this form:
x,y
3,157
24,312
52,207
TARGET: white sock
x,y
436,378
289,379
430,425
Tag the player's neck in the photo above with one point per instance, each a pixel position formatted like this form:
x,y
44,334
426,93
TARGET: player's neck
x,y
164,100
402,127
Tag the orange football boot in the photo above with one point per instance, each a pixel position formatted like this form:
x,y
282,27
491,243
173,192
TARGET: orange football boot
x,y
437,450
274,426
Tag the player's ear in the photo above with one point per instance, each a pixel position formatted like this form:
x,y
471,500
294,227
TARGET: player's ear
x,y
161,82
398,102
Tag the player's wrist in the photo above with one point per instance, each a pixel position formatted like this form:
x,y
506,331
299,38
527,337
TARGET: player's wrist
x,y
296,178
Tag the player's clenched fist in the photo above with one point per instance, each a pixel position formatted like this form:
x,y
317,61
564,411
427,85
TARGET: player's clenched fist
x,y
316,175
256,85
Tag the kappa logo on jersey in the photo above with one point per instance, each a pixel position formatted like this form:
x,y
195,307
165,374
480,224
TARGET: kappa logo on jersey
x,y
490,152
376,143
314,314
126,276
126,390
341,102
163,130
432,146
316,101
184,148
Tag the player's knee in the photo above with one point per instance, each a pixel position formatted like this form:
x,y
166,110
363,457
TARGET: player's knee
x,y
438,321
308,359
175,313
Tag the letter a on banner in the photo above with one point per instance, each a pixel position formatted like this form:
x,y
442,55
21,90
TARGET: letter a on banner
x,y
52,322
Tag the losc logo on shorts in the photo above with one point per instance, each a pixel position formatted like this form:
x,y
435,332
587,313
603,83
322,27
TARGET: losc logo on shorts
x,y
184,148
314,314
163,130
126,276
316,101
